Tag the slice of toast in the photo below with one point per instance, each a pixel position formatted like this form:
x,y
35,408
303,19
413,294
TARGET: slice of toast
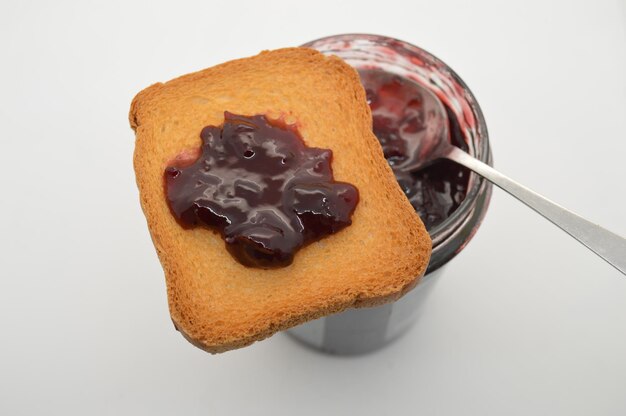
x,y
219,304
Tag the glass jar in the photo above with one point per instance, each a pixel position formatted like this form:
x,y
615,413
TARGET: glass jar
x,y
358,331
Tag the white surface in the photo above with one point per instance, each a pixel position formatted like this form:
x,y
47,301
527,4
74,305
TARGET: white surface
x,y
526,321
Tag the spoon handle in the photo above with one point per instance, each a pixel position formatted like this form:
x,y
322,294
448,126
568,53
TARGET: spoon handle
x,y
604,243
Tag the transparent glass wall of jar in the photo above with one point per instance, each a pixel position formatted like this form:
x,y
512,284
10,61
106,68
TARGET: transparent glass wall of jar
x,y
358,331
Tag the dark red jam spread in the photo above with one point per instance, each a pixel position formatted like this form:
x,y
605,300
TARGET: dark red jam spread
x,y
262,188
400,114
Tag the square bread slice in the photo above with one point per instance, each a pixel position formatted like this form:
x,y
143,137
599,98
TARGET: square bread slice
x,y
219,304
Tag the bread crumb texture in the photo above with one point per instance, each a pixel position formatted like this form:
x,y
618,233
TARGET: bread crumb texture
x,y
217,303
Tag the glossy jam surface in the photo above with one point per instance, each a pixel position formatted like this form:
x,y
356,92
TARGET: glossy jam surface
x,y
262,189
402,115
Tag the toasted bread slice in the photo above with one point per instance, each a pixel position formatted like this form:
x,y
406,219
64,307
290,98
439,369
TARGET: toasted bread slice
x,y
219,304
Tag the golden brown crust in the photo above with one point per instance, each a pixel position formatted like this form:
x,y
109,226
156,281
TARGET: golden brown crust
x,y
215,302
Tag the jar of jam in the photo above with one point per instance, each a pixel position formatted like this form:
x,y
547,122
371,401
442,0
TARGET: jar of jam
x,y
399,79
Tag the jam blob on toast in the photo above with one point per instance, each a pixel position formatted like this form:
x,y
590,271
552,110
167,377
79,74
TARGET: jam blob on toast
x,y
258,184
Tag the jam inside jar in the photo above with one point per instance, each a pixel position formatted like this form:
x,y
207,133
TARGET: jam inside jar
x,y
401,117
450,199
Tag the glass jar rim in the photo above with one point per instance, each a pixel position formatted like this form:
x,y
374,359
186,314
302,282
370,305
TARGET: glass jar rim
x,y
440,233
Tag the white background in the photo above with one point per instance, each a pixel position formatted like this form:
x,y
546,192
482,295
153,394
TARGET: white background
x,y
525,320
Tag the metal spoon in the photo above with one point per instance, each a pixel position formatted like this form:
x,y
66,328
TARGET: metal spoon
x,y
435,144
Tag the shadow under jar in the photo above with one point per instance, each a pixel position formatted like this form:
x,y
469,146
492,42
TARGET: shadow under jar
x,y
450,199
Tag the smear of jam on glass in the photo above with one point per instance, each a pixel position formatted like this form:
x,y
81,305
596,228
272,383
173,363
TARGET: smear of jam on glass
x,y
262,189
400,118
